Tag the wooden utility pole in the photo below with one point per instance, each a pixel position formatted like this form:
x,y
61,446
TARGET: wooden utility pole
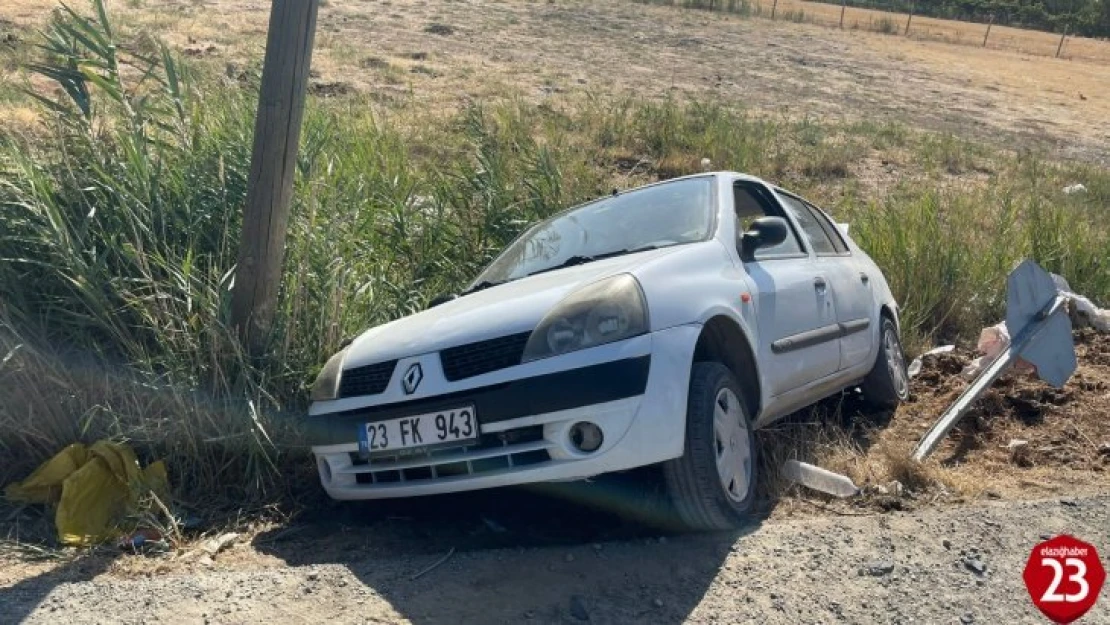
x,y
1062,38
843,4
277,131
774,6
908,20
989,24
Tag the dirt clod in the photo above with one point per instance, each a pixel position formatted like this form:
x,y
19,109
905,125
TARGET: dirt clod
x,y
878,568
435,28
975,565
327,89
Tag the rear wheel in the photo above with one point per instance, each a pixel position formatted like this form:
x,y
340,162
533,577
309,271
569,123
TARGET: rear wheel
x,y
888,383
712,486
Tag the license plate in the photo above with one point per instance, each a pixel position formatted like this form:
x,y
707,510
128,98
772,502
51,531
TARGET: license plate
x,y
443,427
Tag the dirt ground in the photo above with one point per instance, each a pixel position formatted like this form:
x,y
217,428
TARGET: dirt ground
x,y
951,565
445,53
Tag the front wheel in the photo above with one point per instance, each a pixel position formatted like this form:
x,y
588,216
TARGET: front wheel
x,y
888,383
712,486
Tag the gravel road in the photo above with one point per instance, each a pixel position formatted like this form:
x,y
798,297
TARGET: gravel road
x,y
939,565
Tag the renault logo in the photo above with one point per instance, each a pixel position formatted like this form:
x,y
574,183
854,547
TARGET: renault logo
x,y
412,379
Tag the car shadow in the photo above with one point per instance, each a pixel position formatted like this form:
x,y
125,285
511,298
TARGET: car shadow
x,y
30,541
607,550
19,600
545,553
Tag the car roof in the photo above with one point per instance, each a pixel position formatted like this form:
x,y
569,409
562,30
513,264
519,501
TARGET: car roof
x,y
717,173
731,175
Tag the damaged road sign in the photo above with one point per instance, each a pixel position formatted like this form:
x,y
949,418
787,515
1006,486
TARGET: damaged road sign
x,y
1037,319
1030,290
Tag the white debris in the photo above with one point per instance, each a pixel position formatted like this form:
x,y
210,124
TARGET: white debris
x,y
214,546
992,342
915,366
819,479
1075,188
1082,307
1020,452
706,164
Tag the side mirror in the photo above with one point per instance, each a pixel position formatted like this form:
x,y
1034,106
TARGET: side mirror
x,y
764,232
443,298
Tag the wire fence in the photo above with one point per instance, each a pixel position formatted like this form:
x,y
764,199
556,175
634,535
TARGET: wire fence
x,y
980,31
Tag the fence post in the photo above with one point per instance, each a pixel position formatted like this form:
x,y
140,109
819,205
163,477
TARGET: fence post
x,y
1062,38
908,20
277,132
774,6
989,24
843,4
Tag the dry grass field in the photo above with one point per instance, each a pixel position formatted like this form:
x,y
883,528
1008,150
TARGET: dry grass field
x,y
1012,93
945,31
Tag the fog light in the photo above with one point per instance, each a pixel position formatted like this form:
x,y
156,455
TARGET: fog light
x,y
586,436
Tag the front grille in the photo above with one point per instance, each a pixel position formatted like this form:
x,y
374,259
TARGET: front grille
x,y
503,450
467,361
366,380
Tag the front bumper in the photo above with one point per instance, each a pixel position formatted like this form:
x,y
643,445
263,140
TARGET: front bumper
x,y
634,390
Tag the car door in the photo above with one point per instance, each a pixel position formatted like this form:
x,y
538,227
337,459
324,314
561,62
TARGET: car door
x,y
851,285
794,310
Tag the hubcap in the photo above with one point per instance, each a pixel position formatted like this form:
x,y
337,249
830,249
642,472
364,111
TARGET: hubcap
x,y
896,363
732,445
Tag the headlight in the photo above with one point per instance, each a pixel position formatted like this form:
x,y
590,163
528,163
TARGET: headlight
x,y
603,312
326,386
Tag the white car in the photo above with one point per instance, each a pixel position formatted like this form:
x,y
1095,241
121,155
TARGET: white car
x,y
658,325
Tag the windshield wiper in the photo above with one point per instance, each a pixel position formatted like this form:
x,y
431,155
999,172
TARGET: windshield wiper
x,y
570,262
481,286
582,260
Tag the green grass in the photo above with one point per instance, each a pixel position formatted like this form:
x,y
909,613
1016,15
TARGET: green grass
x,y
121,217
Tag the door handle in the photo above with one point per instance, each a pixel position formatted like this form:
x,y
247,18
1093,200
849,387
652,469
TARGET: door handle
x,y
820,284
864,277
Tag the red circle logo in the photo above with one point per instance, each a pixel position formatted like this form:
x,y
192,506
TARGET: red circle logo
x,y
1064,577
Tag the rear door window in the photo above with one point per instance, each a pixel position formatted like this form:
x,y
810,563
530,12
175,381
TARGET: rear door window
x,y
814,233
830,228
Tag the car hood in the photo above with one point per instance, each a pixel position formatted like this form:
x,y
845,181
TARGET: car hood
x,y
510,308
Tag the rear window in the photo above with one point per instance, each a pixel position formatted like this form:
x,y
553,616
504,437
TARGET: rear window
x,y
818,239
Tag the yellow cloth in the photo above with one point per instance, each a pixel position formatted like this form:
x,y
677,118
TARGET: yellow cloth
x,y
95,488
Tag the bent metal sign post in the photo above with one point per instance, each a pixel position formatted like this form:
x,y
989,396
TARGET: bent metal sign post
x,y
1064,578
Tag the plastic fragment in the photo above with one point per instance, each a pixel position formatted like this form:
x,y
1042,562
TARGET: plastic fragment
x,y
918,363
819,479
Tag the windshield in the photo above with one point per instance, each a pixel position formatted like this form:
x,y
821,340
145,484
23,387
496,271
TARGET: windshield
x,y
658,216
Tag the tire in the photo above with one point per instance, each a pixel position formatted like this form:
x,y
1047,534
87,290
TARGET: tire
x,y
693,482
888,383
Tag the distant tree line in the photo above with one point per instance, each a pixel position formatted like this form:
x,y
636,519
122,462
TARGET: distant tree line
x,y
1090,18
